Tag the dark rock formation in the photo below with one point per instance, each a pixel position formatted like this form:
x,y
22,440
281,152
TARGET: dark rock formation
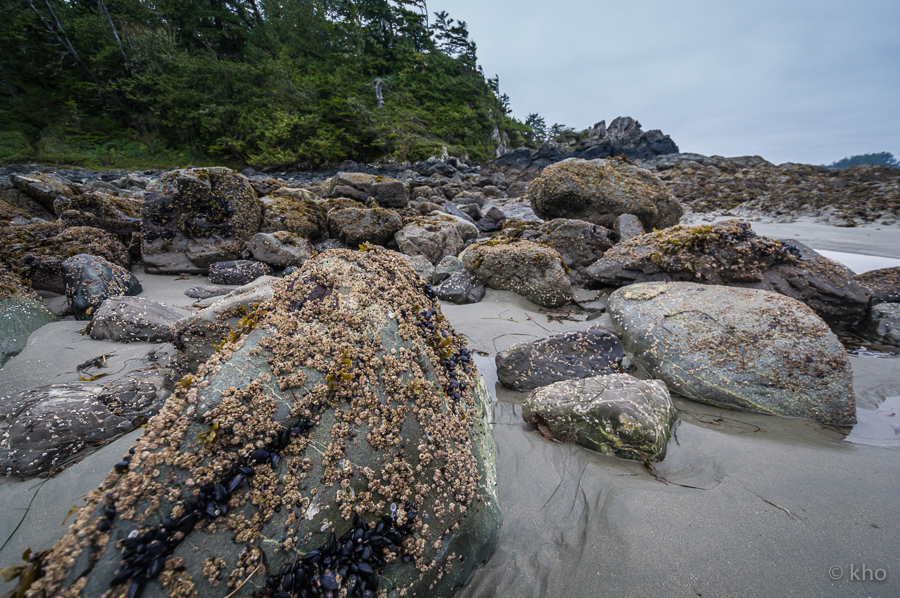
x,y
237,272
567,356
90,280
193,218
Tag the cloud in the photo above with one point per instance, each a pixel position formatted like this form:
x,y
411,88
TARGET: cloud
x,y
792,81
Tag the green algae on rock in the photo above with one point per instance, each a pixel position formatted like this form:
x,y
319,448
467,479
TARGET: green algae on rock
x,y
614,414
398,422
741,349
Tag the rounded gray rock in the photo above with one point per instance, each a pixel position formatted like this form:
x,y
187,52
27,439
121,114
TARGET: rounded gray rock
x,y
737,348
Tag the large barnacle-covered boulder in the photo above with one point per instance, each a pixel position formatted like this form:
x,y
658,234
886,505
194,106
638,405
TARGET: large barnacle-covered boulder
x,y
599,191
192,218
340,445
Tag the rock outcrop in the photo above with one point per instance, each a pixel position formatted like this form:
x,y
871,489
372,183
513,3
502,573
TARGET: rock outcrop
x,y
90,280
730,253
737,348
192,218
340,444
21,313
599,191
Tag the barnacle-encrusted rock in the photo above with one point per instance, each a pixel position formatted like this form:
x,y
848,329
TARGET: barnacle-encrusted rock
x,y
730,253
388,193
120,216
737,348
199,335
295,211
615,414
237,271
21,313
534,271
434,237
43,187
567,356
350,416
134,319
90,280
45,426
281,249
36,251
883,284
600,190
192,218
357,226
750,186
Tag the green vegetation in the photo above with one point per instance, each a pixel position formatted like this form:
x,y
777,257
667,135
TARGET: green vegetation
x,y
879,159
131,83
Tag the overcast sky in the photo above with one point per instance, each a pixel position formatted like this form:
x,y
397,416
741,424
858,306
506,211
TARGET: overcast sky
x,y
790,80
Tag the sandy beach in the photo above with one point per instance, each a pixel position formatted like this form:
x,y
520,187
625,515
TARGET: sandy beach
x,y
743,505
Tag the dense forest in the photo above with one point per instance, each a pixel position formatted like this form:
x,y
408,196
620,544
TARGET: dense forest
x,y
259,82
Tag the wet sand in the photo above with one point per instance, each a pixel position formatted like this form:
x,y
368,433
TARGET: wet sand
x,y
743,505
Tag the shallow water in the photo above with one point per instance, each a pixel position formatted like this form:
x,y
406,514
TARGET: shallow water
x,y
860,263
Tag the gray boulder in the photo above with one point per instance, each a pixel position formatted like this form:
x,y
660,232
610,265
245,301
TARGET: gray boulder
x,y
388,193
737,348
628,226
882,323
357,226
134,319
730,253
566,356
45,427
616,414
448,266
534,271
281,249
300,213
434,237
21,313
138,397
421,265
461,288
322,449
195,217
237,272
598,191
883,284
579,243
37,251
491,220
90,280
43,187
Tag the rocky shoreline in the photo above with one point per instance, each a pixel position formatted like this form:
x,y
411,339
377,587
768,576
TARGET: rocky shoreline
x,y
332,295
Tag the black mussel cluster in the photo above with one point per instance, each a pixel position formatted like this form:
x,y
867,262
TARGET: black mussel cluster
x,y
123,465
460,358
345,566
144,554
429,291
